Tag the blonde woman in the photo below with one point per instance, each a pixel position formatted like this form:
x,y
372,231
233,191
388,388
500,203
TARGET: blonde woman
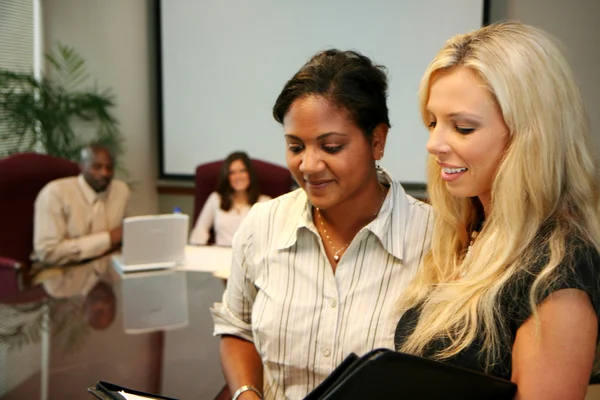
x,y
510,285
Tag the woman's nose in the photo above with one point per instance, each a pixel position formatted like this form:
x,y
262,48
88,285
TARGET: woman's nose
x,y
438,141
311,161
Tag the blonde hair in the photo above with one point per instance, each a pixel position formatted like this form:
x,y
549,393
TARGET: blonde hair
x,y
545,191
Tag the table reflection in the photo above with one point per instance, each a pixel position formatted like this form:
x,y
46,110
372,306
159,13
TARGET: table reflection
x,y
77,279
154,301
147,331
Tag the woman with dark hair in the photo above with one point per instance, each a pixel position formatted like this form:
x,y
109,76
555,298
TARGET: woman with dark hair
x,y
224,210
316,273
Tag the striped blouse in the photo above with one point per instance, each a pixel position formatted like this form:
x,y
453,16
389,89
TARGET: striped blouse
x,y
283,295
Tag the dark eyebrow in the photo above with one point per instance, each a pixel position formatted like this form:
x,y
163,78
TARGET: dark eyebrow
x,y
320,137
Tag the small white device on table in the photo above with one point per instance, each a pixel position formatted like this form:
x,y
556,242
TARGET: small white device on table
x,y
153,242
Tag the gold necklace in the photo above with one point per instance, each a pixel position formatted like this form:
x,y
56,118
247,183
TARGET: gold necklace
x,y
336,252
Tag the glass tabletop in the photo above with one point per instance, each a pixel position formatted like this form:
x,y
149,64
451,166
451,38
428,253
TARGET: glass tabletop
x,y
149,331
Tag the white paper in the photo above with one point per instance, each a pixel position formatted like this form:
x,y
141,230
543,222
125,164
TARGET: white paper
x,y
130,396
207,258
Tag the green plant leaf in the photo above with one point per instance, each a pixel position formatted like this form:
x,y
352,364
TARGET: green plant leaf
x,y
55,112
69,67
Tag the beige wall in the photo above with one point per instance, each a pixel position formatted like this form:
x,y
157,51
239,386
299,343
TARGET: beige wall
x,y
575,24
168,202
115,37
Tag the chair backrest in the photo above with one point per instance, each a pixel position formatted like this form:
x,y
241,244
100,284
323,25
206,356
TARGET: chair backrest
x,y
273,179
22,176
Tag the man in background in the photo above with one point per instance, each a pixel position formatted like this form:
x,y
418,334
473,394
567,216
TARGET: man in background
x,y
79,218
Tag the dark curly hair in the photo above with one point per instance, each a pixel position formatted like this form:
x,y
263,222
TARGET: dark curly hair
x,y
347,79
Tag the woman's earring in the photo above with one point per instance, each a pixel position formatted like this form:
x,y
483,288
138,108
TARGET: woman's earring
x,y
377,165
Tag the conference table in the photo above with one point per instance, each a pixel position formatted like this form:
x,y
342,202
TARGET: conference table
x,y
150,331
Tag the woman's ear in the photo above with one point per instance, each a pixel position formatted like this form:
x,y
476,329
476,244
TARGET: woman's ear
x,y
378,140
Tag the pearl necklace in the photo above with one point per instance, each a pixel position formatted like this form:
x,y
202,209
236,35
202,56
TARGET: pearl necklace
x,y
336,252
468,254
473,237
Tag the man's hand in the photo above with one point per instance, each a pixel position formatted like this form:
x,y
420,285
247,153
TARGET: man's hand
x,y
116,237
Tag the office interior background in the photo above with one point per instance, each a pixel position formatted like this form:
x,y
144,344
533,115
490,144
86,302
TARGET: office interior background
x,y
118,41
117,38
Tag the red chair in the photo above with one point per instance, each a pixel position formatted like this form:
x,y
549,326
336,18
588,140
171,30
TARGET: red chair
x,y
22,176
273,179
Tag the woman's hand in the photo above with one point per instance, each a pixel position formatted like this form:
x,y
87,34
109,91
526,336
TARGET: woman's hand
x,y
241,366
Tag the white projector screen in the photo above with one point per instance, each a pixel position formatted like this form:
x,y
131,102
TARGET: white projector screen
x,y
223,64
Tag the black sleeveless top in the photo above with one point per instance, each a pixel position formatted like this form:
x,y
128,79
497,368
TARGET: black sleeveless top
x,y
583,274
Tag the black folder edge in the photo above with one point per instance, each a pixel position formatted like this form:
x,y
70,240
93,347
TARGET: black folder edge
x,y
110,391
349,364
341,372
352,363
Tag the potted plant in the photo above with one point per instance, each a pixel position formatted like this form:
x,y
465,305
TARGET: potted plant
x,y
53,114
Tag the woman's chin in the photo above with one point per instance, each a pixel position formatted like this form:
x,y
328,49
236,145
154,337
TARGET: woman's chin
x,y
240,189
460,192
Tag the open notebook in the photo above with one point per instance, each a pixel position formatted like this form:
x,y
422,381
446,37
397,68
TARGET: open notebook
x,y
110,391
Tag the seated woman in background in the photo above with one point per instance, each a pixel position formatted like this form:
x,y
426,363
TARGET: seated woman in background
x,y
224,210
510,286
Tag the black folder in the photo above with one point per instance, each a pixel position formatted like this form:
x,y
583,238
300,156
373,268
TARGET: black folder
x,y
110,391
387,374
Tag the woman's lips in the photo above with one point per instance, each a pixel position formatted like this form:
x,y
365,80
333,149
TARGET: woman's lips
x,y
318,185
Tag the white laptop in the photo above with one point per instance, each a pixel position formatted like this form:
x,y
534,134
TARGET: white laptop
x,y
153,242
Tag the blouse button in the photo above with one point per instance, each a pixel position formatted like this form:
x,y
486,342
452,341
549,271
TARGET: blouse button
x,y
326,352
